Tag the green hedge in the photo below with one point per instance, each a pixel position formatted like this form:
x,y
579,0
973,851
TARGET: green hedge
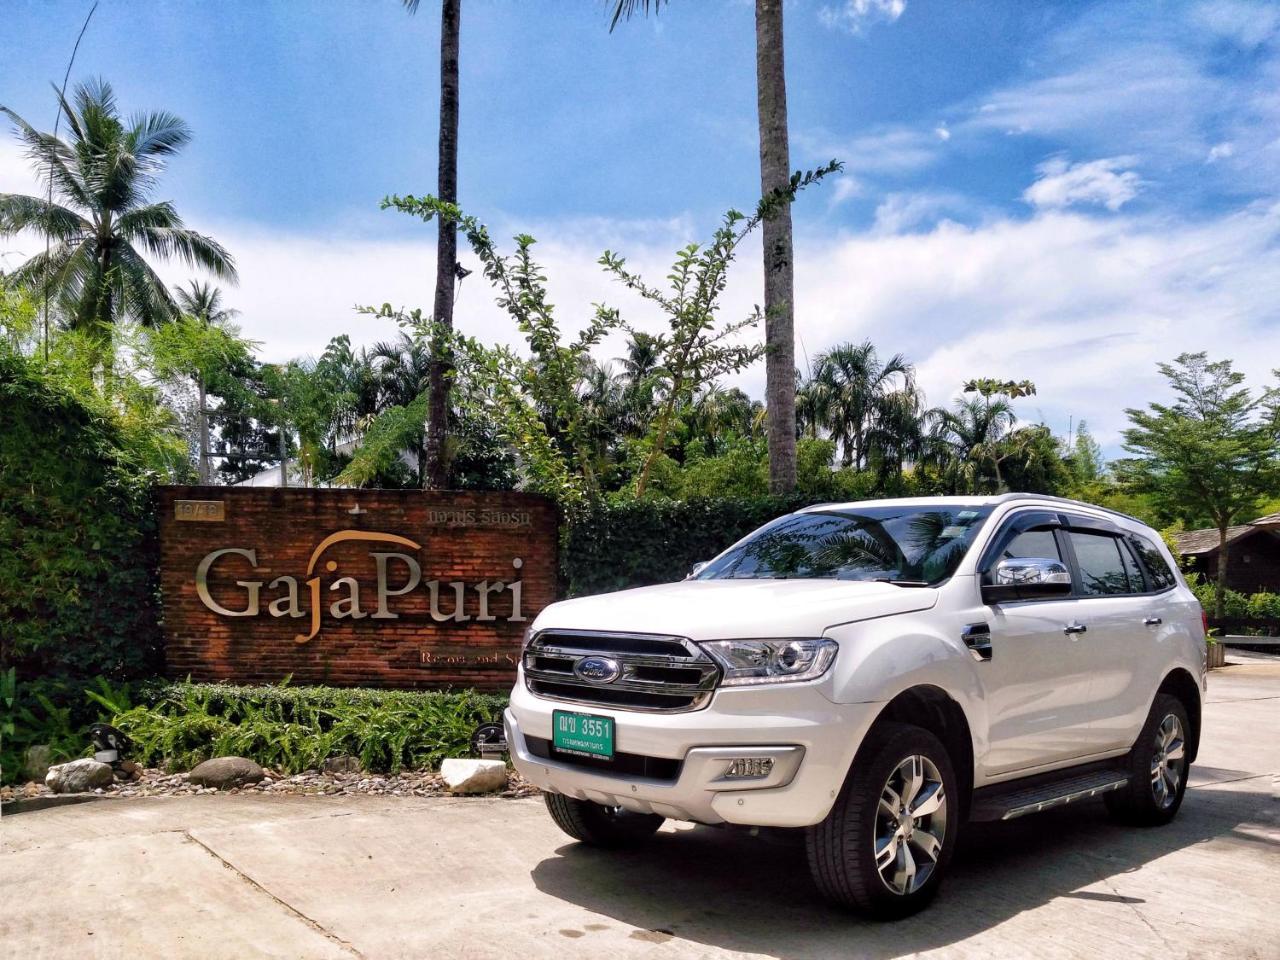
x,y
78,550
611,546
297,728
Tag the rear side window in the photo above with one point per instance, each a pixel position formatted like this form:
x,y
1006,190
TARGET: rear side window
x,y
1103,571
1162,577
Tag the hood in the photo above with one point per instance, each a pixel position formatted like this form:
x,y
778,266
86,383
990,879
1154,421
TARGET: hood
x,y
736,609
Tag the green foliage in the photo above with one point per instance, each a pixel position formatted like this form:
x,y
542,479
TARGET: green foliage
x,y
77,536
296,728
1211,455
53,712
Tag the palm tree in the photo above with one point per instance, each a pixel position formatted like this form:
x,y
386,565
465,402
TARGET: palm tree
x,y
779,274
644,352
402,372
203,303
853,389
965,443
106,223
446,243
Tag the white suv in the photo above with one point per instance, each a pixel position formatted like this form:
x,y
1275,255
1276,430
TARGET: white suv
x,y
876,673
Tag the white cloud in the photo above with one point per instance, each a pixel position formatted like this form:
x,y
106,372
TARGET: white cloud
x,y
844,188
905,212
854,15
942,133
1220,151
1244,23
1083,306
893,150
1105,182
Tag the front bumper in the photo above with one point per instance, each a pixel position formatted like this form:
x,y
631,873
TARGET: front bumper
x,y
811,741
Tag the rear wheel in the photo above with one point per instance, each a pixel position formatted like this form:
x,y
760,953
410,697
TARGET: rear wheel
x,y
886,843
598,825
1158,768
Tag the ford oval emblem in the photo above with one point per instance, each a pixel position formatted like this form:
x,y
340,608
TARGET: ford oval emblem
x,y
597,669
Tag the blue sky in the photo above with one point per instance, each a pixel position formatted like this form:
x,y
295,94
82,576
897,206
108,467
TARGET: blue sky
x,y
1067,192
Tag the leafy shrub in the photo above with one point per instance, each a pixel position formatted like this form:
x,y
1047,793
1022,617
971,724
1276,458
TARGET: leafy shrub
x,y
298,728
56,713
1263,605
77,537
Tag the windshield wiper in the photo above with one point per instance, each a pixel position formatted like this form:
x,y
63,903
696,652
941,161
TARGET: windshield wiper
x,y
903,583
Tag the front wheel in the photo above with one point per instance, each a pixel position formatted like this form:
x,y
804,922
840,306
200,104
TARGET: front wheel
x,y
1158,768
598,825
886,843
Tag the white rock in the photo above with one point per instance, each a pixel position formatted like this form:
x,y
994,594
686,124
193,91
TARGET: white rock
x,y
78,776
474,776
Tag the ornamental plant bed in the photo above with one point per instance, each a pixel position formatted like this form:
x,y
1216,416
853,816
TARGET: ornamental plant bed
x,y
295,729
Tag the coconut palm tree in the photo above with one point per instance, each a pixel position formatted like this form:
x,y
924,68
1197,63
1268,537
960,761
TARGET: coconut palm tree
x,y
779,274
104,225
853,388
436,475
965,443
203,302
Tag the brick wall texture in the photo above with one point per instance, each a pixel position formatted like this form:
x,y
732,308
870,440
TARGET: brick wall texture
x,y
475,539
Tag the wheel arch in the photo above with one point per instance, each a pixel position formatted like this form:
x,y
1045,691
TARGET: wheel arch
x,y
933,709
1179,683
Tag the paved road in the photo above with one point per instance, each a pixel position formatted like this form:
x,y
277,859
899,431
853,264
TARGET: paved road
x,y
222,876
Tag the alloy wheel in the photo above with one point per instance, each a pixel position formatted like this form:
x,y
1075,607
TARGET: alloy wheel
x,y
911,825
1168,762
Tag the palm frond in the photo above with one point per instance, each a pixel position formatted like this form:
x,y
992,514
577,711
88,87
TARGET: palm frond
x,y
18,212
193,249
625,9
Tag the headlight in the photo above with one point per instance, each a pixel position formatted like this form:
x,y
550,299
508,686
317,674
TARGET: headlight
x,y
771,661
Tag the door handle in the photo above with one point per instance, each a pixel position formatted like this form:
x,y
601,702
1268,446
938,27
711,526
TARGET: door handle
x,y
1076,627
1153,621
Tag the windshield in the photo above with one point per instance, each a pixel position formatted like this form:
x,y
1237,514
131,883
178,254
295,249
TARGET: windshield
x,y
910,544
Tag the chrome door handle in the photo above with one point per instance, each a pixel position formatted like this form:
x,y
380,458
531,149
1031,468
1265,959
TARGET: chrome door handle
x,y
1074,628
1153,621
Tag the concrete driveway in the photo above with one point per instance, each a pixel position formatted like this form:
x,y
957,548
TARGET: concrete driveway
x,y
241,876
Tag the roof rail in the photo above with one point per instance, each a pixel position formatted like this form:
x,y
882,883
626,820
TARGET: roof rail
x,y
1005,497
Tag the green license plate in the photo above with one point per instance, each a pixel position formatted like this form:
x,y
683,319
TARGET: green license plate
x,y
582,734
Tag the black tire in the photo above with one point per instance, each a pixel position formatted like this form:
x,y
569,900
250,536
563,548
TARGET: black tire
x,y
1148,801
842,848
601,826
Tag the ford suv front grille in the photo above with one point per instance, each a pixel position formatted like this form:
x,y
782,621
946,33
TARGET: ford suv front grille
x,y
654,673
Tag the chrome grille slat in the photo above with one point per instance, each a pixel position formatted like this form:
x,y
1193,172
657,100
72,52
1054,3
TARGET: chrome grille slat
x,y
682,679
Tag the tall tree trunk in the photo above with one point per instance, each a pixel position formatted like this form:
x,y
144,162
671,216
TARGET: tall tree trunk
x,y
438,375
779,280
1220,588
202,422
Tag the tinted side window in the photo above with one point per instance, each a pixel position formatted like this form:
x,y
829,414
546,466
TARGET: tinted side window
x,y
1162,577
1102,568
1136,583
1039,544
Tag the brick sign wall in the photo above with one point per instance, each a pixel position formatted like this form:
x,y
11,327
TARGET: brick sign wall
x,y
352,587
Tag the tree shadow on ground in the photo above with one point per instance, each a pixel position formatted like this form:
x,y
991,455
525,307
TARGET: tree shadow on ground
x,y
728,889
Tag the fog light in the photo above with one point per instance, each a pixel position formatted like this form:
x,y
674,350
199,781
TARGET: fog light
x,y
749,768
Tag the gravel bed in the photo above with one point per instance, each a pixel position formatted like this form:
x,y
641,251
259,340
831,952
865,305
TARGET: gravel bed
x,y
408,783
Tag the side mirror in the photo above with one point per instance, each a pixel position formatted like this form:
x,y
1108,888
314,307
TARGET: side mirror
x,y
1027,578
697,568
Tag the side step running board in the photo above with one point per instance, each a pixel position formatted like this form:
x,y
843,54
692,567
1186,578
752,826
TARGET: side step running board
x,y
1031,795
